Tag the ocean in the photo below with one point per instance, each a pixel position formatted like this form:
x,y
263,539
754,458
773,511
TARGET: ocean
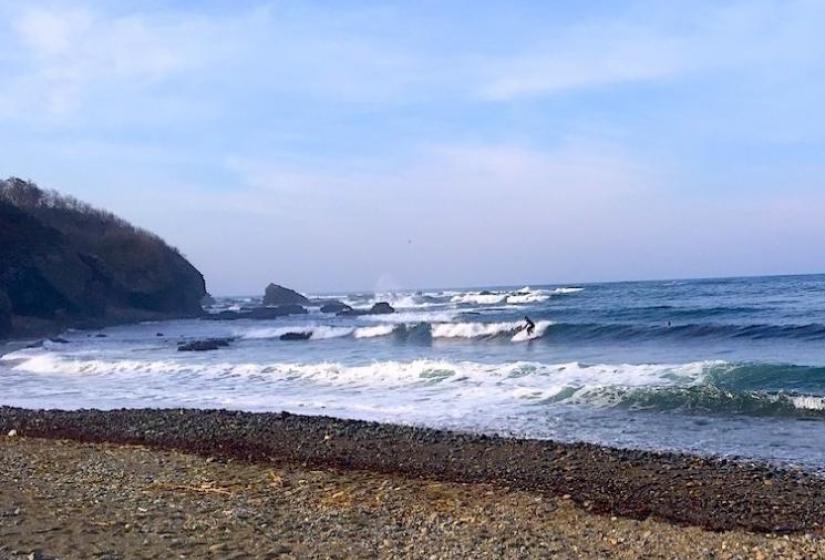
x,y
730,367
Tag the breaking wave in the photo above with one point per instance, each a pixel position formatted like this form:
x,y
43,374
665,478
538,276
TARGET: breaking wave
x,y
525,295
707,388
488,330
442,325
319,332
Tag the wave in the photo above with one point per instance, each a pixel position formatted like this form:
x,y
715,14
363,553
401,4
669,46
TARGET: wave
x,y
570,290
372,332
480,298
514,299
706,399
525,295
478,373
318,332
408,301
630,331
412,317
706,388
513,329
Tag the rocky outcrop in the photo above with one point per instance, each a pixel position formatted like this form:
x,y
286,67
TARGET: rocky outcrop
x,y
279,295
204,345
260,313
334,307
300,335
64,263
380,308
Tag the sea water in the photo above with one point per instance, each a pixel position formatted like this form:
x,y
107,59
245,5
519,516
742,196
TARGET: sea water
x,y
730,367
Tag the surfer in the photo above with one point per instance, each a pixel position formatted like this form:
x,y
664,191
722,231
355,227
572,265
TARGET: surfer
x,y
530,326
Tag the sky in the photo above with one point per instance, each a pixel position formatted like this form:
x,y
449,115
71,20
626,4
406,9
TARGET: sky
x,y
339,145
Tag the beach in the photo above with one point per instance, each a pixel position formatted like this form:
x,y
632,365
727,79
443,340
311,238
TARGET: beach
x,y
75,485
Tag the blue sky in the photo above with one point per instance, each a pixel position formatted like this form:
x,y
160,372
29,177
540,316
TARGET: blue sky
x,y
366,145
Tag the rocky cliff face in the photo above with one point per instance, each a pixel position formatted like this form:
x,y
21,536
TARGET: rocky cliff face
x,y
65,263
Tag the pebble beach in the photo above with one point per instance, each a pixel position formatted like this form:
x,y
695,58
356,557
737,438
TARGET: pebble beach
x,y
168,483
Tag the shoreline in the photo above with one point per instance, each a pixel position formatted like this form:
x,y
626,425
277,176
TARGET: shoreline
x,y
26,330
713,494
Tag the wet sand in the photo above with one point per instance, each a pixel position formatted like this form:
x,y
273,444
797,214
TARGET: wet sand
x,y
64,499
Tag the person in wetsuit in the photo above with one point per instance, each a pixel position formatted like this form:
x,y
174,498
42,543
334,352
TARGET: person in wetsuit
x,y
530,327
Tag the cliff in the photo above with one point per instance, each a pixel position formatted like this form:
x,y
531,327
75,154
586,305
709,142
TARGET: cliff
x,y
64,263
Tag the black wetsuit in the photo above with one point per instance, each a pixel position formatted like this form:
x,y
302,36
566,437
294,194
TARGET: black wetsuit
x,y
531,326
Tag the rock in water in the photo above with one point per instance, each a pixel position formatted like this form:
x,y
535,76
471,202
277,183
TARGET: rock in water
x,y
204,345
335,307
274,312
380,308
296,335
64,263
278,295
262,313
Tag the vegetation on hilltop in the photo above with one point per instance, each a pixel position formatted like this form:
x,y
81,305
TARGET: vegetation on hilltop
x,y
63,260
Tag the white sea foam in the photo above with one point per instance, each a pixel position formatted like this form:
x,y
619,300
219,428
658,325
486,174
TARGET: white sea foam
x,y
403,301
324,332
541,327
521,374
526,298
489,330
567,290
318,332
412,317
805,402
479,298
269,332
427,390
525,295
376,331
439,329
473,330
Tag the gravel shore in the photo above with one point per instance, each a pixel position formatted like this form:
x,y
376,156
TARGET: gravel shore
x,y
64,499
708,493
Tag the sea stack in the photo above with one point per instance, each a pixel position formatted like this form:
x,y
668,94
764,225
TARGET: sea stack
x,y
279,295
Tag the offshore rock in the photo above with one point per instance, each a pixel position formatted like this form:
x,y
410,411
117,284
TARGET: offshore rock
x,y
380,308
261,313
204,345
335,307
279,295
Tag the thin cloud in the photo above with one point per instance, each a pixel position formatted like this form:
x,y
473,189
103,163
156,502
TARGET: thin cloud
x,y
67,53
589,57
